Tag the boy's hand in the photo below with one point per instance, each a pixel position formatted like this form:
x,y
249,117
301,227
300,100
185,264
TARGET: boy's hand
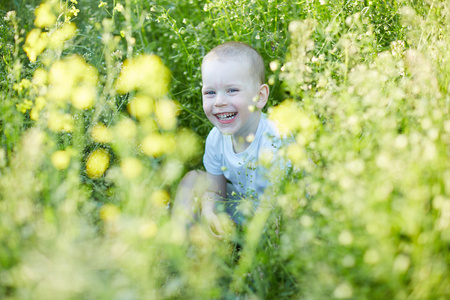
x,y
212,220
216,188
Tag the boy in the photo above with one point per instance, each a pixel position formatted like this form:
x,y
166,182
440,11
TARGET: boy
x,y
234,93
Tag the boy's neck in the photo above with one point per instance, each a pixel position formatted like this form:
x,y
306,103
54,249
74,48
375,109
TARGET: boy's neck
x,y
240,142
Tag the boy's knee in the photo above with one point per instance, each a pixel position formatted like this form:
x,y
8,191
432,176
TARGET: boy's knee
x,y
191,184
189,188
192,177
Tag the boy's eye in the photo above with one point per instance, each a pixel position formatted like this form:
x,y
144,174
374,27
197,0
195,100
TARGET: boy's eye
x,y
208,93
233,90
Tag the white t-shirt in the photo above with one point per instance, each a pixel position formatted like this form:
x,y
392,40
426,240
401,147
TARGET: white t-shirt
x,y
242,169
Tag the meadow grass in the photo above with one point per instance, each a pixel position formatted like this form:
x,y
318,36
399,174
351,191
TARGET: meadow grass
x,y
101,116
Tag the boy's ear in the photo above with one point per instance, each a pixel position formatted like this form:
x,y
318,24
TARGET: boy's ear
x,y
263,96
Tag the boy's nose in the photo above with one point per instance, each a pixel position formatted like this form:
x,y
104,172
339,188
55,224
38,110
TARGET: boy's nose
x,y
220,100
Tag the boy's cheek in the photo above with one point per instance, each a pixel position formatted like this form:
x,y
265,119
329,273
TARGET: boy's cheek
x,y
206,109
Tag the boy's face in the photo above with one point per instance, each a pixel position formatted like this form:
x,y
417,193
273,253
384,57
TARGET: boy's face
x,y
228,91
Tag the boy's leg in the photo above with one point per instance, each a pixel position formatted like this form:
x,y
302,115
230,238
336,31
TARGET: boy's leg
x,y
231,204
189,193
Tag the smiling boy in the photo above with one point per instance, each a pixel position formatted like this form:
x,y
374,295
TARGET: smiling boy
x,y
234,93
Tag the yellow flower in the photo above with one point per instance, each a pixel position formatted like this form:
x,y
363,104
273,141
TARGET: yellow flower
x,y
83,97
148,230
160,198
131,167
24,106
187,144
97,163
295,154
61,35
109,212
290,117
70,73
61,81
155,144
274,65
40,77
73,10
146,73
34,114
125,129
60,122
118,7
166,112
140,106
25,83
102,4
44,16
60,159
101,134
39,103
17,87
35,43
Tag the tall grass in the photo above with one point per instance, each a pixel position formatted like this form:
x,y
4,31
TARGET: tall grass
x,y
101,116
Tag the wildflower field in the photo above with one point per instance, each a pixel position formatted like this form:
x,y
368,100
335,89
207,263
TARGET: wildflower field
x,y
101,116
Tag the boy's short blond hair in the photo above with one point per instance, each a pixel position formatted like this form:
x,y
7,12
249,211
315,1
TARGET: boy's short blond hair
x,y
239,50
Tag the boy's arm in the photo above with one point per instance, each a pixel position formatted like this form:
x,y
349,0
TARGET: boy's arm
x,y
216,190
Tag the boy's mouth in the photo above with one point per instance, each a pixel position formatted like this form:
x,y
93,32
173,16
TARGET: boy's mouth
x,y
225,117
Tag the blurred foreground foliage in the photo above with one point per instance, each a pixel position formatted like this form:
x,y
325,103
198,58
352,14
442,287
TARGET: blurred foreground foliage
x,y
100,116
